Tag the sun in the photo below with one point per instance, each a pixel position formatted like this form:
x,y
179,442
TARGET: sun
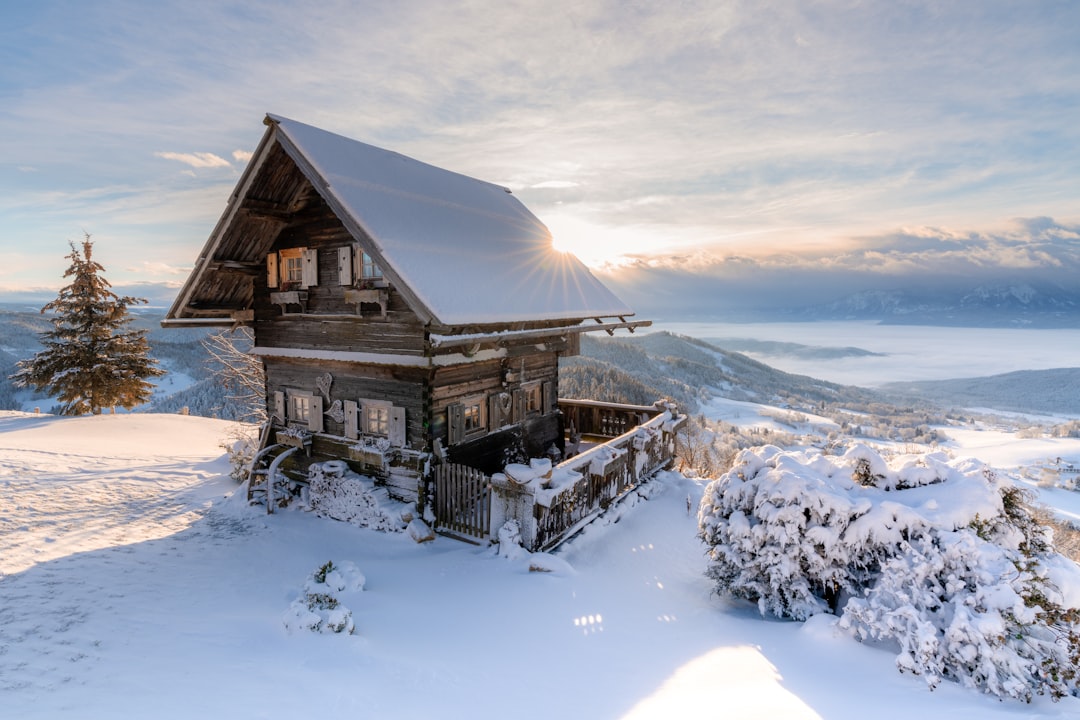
x,y
597,245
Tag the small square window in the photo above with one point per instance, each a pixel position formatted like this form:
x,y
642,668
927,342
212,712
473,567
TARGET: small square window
x,y
301,408
376,420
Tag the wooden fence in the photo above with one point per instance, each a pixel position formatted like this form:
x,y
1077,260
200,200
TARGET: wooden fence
x,y
586,484
462,501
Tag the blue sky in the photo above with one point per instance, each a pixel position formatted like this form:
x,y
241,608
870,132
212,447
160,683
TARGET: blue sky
x,y
698,137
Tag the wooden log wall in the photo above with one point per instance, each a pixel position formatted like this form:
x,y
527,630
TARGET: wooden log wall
x,y
400,386
345,327
513,435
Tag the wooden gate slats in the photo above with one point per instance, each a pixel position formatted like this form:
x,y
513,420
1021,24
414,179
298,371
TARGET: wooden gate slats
x,y
462,500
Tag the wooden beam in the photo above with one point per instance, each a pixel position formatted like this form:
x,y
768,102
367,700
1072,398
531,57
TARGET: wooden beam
x,y
502,339
266,210
237,267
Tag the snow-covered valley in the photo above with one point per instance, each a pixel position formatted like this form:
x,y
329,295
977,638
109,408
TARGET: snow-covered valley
x,y
134,583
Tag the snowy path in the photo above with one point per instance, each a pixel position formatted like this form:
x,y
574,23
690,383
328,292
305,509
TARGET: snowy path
x,y
158,603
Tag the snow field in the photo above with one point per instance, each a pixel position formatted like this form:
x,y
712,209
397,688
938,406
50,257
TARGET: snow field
x,y
182,617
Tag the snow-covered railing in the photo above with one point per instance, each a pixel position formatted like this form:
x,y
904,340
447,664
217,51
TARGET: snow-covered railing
x,y
604,419
552,503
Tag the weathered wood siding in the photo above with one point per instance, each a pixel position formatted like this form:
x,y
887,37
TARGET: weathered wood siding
x,y
342,326
513,433
403,387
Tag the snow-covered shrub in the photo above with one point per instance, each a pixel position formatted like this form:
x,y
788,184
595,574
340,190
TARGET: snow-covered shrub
x,y
240,445
510,546
319,609
962,608
943,558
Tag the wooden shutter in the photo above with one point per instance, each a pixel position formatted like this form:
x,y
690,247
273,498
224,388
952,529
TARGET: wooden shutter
x,y
455,423
310,269
519,405
548,397
495,419
315,419
272,275
352,428
279,406
397,426
345,265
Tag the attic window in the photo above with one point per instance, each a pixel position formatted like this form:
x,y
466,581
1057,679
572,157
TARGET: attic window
x,y
291,268
368,269
292,265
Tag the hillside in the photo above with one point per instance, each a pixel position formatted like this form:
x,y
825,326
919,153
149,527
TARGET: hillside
x,y
1040,391
641,368
189,380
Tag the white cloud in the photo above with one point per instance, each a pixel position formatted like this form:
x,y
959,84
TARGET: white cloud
x,y
196,159
241,156
555,185
158,269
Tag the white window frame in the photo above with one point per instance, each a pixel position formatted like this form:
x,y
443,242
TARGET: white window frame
x,y
299,407
380,419
369,270
304,408
375,418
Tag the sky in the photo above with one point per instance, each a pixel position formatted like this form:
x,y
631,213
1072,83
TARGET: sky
x,y
809,142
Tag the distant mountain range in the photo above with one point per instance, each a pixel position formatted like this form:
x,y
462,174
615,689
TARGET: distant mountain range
x,y
1046,391
636,369
1004,304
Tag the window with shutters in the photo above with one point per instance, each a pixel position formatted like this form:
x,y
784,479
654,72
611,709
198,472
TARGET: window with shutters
x,y
293,268
466,419
376,419
473,416
300,410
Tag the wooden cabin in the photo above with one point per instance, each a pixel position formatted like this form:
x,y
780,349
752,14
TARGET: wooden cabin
x,y
408,317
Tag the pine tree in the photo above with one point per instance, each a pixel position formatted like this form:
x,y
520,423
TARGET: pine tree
x,y
91,359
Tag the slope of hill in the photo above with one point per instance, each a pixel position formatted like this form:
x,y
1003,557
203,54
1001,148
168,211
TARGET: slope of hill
x,y
661,364
1039,391
189,380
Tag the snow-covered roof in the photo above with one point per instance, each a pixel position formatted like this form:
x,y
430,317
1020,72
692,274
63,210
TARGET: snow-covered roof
x,y
468,250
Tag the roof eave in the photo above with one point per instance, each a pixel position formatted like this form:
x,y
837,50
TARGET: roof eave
x,y
356,229
176,312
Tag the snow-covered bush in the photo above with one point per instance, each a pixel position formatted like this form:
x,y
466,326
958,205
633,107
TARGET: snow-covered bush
x,y
319,609
942,558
